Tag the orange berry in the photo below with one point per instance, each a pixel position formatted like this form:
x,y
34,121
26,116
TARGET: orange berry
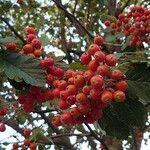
x,y
106,97
28,48
37,52
119,96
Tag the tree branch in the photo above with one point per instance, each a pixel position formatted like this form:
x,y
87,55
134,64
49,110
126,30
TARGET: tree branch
x,y
124,6
96,137
72,18
76,2
47,121
135,146
45,111
12,29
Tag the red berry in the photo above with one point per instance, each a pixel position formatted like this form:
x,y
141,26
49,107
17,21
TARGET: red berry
x,y
64,94
95,94
69,73
28,48
71,100
79,81
71,89
75,112
63,104
56,92
121,85
116,75
97,81
98,40
26,142
88,75
49,95
11,46
56,121
107,23
66,118
81,98
26,133
86,89
33,146
30,30
30,37
99,56
59,72
93,48
85,58
50,79
93,65
103,70
111,60
62,84
2,127
15,146
36,43
119,96
106,97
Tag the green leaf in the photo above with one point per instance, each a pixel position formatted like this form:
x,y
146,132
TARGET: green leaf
x,y
119,118
110,38
37,134
77,66
131,112
139,82
20,67
140,89
8,39
6,143
21,118
44,39
113,126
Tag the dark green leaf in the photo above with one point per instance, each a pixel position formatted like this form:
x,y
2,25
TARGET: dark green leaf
x,y
44,39
7,39
19,67
113,126
77,66
119,118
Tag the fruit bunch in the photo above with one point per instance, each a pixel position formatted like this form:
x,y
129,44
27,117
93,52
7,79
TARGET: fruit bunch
x,y
36,95
33,46
135,24
84,95
26,143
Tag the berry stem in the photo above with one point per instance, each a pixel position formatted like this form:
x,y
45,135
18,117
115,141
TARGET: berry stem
x,y
12,29
96,137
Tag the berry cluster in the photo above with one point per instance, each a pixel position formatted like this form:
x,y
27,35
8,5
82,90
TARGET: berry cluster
x,y
26,143
86,94
136,24
33,47
35,95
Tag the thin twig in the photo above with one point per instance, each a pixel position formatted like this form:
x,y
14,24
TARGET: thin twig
x,y
44,111
74,10
72,18
70,134
134,140
96,137
124,6
12,29
48,122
